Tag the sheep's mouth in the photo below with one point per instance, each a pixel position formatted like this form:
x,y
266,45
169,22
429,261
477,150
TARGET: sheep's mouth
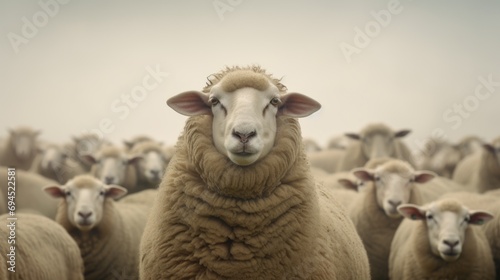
x,y
450,253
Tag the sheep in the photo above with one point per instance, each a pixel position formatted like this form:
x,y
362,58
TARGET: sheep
x,y
29,194
469,145
442,243
83,145
375,140
311,146
145,197
374,211
113,165
495,192
129,144
52,162
491,204
43,250
108,233
340,142
441,157
19,149
151,164
328,160
480,171
238,201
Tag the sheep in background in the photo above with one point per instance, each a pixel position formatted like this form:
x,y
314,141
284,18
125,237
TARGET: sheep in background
x,y
480,171
311,146
20,148
108,233
52,162
490,203
83,145
44,250
238,200
151,164
113,165
470,144
443,243
129,144
375,140
340,142
440,157
29,194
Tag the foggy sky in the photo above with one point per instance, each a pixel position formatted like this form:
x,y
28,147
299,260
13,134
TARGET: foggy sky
x,y
431,66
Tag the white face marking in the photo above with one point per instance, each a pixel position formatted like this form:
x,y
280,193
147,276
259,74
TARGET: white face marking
x,y
85,206
244,123
23,145
52,159
392,189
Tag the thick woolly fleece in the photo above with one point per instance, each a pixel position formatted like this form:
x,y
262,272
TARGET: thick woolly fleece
x,y
217,220
44,250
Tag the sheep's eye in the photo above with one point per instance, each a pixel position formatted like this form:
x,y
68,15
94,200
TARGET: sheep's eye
x,y
467,219
214,101
377,178
67,193
430,217
101,193
275,101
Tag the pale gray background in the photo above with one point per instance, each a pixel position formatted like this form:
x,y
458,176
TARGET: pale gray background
x,y
429,57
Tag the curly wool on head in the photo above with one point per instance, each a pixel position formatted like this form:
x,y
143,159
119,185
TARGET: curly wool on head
x,y
215,78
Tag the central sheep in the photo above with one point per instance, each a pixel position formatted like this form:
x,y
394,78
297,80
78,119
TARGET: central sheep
x,y
238,200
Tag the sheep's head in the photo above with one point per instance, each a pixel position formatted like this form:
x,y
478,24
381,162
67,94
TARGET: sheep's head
x,y
393,183
244,105
378,140
447,222
494,150
110,164
53,157
23,140
87,143
84,197
153,161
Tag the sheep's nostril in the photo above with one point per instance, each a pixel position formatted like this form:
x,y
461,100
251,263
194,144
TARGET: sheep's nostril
x,y
84,215
244,137
451,243
108,179
394,203
155,172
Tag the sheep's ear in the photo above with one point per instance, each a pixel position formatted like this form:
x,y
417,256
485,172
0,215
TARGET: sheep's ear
x,y
363,174
402,133
55,191
353,136
190,103
423,176
411,211
134,159
489,148
128,144
348,184
479,217
115,191
297,105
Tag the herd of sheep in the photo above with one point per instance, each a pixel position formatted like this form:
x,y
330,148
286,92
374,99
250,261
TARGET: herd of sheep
x,y
243,196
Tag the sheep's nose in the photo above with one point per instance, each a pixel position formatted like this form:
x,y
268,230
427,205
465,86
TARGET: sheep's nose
x,y
394,203
244,137
155,172
84,215
108,179
451,243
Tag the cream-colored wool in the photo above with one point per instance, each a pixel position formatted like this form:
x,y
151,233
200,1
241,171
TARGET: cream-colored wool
x,y
217,220
61,170
145,197
129,144
29,194
480,172
44,250
21,157
110,250
356,157
411,257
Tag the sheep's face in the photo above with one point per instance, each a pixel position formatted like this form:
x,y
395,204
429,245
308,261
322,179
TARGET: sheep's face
x,y
445,160
392,188
85,199
111,169
447,222
378,144
24,142
52,158
152,166
244,120
494,150
87,144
